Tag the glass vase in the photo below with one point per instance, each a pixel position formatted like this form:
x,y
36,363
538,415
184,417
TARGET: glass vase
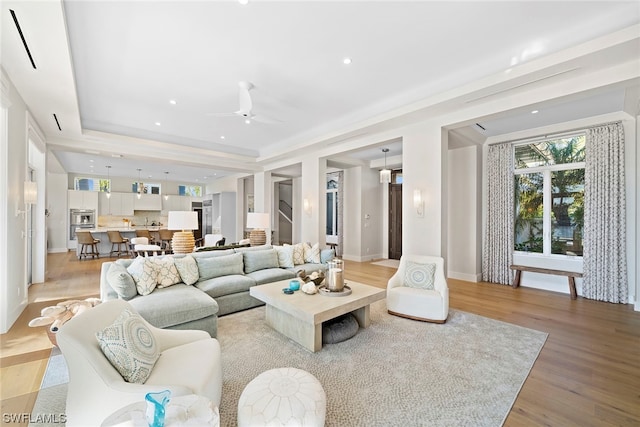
x,y
156,406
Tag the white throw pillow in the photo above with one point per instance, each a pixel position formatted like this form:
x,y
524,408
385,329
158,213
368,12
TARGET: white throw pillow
x,y
285,256
417,275
144,274
298,253
188,269
312,253
166,271
130,347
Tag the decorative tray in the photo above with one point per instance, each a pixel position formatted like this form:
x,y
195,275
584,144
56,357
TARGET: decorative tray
x,y
323,290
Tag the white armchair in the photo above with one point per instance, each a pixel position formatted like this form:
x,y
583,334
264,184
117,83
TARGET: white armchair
x,y
419,304
189,363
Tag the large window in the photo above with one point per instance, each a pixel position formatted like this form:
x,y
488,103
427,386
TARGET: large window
x,y
92,184
549,192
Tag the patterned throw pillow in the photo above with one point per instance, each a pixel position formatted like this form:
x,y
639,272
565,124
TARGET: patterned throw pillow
x,y
285,256
166,271
187,268
121,281
312,253
298,253
144,274
421,276
130,347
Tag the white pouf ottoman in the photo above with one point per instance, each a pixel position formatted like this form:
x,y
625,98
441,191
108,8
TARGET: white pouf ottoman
x,y
282,397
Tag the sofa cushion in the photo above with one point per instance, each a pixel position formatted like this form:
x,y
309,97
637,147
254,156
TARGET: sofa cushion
x,y
259,260
285,256
212,254
210,267
298,253
327,255
188,269
144,274
166,271
226,285
175,305
124,262
311,253
253,248
121,281
419,275
269,275
130,347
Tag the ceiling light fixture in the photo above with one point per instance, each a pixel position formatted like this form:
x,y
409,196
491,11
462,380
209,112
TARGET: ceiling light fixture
x,y
247,121
243,2
166,186
173,102
221,136
346,61
108,182
158,124
139,185
385,174
534,112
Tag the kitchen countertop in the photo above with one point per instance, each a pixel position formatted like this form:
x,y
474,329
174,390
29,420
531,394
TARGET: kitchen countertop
x,y
120,229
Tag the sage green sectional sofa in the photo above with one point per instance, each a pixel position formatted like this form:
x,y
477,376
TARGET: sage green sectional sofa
x,y
222,282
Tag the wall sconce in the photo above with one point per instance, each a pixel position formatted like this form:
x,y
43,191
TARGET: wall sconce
x,y
418,202
30,196
306,206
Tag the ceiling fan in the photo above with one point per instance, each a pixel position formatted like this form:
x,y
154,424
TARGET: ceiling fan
x,y
246,107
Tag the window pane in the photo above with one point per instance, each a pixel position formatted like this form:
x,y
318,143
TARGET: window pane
x,y
528,221
552,152
567,211
330,230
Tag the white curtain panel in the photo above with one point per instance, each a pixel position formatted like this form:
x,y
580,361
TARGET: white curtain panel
x,y
604,256
340,213
497,254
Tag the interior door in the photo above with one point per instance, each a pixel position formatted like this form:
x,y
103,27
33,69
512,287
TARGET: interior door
x,y
395,221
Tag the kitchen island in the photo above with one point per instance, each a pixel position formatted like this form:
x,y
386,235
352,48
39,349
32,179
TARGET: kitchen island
x,y
104,247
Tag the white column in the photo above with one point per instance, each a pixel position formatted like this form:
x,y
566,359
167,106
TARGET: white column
x,y
313,189
262,193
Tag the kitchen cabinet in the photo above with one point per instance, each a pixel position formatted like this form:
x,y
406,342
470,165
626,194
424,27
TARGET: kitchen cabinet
x,y
176,203
120,204
83,199
147,202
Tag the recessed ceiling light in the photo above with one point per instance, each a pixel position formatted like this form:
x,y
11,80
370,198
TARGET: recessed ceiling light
x,y
117,156
346,61
221,136
173,102
243,2
158,124
534,112
247,121
91,160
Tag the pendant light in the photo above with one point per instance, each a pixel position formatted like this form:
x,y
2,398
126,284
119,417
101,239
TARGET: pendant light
x,y
109,182
139,185
385,174
166,186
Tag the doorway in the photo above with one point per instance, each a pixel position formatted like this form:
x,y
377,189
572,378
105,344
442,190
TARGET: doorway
x,y
395,215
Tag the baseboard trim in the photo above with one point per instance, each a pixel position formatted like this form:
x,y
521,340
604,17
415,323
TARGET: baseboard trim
x,y
56,250
475,278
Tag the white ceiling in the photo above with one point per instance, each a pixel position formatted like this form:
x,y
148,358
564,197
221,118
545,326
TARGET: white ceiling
x,y
109,69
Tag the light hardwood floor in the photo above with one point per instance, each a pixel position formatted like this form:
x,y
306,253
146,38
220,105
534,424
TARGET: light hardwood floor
x,y
588,373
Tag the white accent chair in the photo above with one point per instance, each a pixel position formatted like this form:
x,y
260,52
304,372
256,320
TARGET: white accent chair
x,y
189,363
212,239
419,304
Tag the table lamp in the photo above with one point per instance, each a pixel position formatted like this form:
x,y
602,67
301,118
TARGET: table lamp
x,y
185,221
257,221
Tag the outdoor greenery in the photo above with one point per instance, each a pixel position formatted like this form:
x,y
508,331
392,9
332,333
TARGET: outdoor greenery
x,y
567,195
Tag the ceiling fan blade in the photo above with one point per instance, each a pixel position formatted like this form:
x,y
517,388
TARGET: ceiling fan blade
x,y
264,119
245,98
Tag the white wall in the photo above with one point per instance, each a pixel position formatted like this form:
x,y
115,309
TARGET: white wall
x,y
465,216
371,215
57,184
352,214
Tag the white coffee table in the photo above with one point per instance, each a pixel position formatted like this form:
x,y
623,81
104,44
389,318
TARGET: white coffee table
x,y
299,316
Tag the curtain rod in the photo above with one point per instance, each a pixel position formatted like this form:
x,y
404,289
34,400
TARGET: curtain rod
x,y
554,135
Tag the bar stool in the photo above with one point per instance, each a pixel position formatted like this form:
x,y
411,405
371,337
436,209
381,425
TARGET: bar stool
x,y
86,239
165,238
115,238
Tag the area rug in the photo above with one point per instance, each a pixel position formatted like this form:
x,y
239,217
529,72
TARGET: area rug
x,y
397,372
51,400
393,263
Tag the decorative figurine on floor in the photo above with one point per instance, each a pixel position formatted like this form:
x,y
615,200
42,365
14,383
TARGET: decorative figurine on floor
x,y
58,315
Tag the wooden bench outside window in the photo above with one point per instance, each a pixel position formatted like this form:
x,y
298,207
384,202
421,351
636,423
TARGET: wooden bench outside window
x,y
571,275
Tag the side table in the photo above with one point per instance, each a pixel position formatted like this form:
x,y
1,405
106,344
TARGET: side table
x,y
189,410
